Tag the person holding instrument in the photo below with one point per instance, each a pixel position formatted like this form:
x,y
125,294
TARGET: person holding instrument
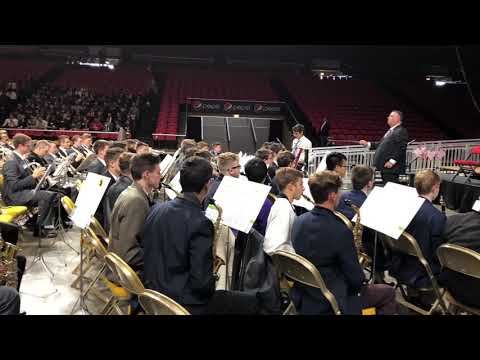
x,y
19,184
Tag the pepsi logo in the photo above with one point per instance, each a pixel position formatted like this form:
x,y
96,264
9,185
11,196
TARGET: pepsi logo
x,y
197,105
228,106
258,108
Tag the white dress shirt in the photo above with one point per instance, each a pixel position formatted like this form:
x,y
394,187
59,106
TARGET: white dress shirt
x,y
302,143
278,235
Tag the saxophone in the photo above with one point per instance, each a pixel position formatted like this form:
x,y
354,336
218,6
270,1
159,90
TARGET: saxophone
x,y
8,264
357,231
218,262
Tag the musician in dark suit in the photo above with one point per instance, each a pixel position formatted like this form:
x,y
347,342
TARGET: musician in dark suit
x,y
463,230
266,155
284,159
19,185
272,169
178,242
99,166
390,152
52,155
427,228
337,162
124,181
39,152
131,209
86,144
324,132
9,301
322,238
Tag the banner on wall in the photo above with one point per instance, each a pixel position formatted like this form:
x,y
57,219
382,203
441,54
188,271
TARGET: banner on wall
x,y
229,107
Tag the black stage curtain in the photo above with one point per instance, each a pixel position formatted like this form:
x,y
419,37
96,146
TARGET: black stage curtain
x,y
459,194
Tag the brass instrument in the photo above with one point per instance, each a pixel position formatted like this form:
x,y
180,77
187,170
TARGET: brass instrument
x,y
357,231
8,264
218,262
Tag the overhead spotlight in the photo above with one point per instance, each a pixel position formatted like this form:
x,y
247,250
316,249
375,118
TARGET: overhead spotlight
x,y
236,115
322,74
440,83
428,79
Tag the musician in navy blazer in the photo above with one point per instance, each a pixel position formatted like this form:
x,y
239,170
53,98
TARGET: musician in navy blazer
x,y
322,238
427,228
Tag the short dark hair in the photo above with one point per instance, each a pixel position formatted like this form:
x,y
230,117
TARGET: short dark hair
x,y
202,144
119,145
195,174
399,114
112,155
276,147
284,159
335,159
322,184
124,163
20,139
256,170
263,154
100,145
298,128
141,163
204,154
361,175
285,176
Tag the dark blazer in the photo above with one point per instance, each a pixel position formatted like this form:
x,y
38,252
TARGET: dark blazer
x,y
178,254
212,191
18,183
103,212
323,239
272,171
97,167
394,147
463,230
63,154
35,158
427,228
357,197
116,189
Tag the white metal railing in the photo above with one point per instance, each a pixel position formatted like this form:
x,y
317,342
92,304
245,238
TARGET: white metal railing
x,y
359,155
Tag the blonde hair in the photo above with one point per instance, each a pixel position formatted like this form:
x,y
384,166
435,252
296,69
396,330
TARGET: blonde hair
x,y
425,180
225,160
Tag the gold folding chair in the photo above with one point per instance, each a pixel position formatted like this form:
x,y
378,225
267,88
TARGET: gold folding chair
x,y
127,278
464,261
407,244
155,303
299,269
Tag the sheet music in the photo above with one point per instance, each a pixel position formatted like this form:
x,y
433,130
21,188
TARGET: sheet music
x,y
89,198
166,163
304,202
175,184
323,164
476,206
411,191
241,202
390,210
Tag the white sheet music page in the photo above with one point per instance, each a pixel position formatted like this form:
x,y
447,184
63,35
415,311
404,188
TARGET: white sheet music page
x,y
165,164
241,202
89,198
304,202
323,164
390,210
175,184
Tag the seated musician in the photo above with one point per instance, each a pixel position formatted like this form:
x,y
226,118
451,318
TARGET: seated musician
x,y
123,182
99,166
131,209
142,148
427,228
463,230
203,146
19,184
185,145
256,171
178,259
285,159
9,301
337,162
278,235
228,165
275,148
86,144
52,155
40,150
266,156
77,145
322,238
5,140
64,150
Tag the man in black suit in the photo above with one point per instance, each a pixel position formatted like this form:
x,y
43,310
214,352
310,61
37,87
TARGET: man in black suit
x,y
390,152
322,238
9,301
427,228
123,182
178,242
39,152
19,185
324,132
99,166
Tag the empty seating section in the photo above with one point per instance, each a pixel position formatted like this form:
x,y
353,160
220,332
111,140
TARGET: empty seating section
x,y
19,70
356,109
129,79
181,84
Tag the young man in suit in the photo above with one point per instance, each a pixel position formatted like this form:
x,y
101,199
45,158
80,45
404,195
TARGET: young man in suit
x,y
178,242
300,144
337,162
390,152
285,159
124,181
322,238
131,209
19,183
9,301
427,228
99,166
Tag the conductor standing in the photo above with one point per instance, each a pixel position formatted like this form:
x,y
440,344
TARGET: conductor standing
x,y
390,151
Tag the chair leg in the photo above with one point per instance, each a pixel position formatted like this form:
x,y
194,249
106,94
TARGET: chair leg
x,y
99,274
108,306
